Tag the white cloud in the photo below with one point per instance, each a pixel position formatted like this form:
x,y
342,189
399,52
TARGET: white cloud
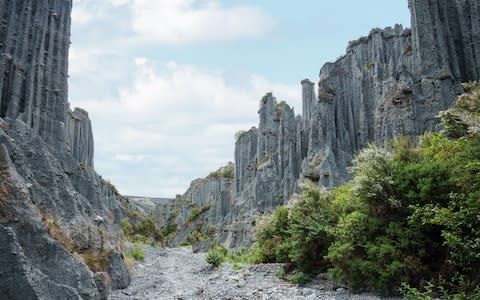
x,y
176,21
83,61
82,16
188,21
175,122
85,12
118,2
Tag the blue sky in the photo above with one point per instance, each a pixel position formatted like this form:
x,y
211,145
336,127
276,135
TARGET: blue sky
x,y
167,83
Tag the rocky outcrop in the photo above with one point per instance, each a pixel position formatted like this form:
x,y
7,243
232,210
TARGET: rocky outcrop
x,y
59,220
80,136
394,81
268,152
43,267
203,208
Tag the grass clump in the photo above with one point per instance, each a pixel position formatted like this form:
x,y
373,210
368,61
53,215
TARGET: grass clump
x,y
136,252
57,231
97,261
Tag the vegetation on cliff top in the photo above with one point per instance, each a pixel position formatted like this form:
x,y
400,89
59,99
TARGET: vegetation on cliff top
x,y
223,172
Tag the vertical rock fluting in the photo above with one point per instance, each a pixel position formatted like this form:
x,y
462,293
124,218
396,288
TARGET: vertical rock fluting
x,y
446,37
212,197
275,157
46,166
34,44
392,82
80,136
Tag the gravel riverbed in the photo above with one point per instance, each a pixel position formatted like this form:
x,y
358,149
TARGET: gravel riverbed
x,y
177,273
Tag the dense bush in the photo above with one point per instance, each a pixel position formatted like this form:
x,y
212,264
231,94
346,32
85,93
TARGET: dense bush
x,y
408,219
145,231
409,216
197,211
169,229
271,237
216,255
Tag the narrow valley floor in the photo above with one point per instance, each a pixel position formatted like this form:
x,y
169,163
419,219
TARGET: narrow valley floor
x,y
180,274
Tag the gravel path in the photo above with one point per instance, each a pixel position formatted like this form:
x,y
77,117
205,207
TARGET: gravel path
x,y
180,274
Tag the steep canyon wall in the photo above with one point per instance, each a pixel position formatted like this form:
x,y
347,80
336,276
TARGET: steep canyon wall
x,y
394,81
56,212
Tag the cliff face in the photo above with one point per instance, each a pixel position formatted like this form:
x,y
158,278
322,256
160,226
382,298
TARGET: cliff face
x,y
392,82
205,207
265,153
446,38
54,208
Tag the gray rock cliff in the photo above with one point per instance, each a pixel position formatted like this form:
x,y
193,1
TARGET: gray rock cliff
x,y
394,81
57,214
212,197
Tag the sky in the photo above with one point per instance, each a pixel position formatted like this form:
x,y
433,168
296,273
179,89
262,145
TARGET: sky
x,y
168,83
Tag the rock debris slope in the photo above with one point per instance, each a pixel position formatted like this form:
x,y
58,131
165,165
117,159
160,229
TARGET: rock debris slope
x,y
56,214
392,82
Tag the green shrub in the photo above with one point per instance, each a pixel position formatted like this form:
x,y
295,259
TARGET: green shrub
x,y
408,50
408,219
126,227
215,257
227,173
369,65
243,256
194,236
264,99
280,106
239,134
145,231
197,211
410,293
281,273
409,216
300,278
272,236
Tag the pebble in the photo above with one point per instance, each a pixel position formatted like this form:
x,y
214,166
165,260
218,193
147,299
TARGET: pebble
x,y
189,277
